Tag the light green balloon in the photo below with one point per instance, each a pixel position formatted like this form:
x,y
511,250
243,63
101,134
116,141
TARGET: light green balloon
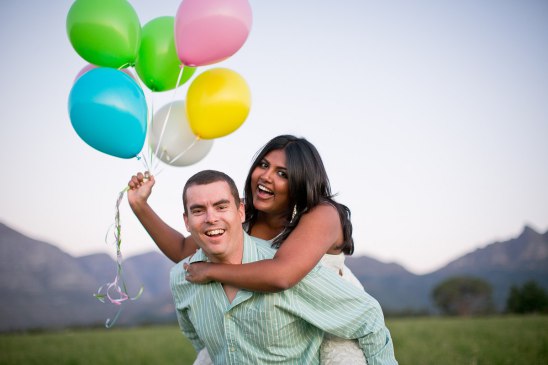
x,y
158,65
104,32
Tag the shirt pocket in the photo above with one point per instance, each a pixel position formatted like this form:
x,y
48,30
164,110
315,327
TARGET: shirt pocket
x,y
270,328
256,325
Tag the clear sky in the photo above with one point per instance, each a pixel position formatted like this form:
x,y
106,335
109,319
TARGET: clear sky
x,y
431,118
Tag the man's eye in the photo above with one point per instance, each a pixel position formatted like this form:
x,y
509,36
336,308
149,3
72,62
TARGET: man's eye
x,y
223,207
197,211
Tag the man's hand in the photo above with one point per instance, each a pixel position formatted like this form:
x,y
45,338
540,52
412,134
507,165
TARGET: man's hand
x,y
140,188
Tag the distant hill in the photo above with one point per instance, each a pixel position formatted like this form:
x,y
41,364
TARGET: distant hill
x,y
502,264
44,287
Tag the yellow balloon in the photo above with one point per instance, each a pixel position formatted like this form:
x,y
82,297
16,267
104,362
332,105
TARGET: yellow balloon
x,y
217,103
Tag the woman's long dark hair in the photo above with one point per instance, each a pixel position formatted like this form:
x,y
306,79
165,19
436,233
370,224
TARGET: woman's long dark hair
x,y
308,187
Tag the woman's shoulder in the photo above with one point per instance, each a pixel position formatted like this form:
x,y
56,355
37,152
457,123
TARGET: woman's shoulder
x,y
325,206
323,211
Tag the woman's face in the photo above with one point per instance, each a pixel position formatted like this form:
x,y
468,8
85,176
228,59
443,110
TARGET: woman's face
x,y
270,185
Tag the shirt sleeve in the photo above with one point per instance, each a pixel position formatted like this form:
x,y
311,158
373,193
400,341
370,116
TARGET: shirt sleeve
x,y
330,303
179,292
188,330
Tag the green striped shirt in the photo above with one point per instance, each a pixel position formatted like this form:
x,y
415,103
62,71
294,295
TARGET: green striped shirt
x,y
278,328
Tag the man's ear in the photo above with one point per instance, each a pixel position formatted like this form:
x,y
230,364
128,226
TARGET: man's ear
x,y
185,218
241,210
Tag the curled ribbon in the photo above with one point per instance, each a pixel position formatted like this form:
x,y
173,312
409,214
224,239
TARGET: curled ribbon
x,y
116,291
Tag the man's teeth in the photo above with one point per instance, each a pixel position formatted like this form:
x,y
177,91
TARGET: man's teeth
x,y
262,188
215,232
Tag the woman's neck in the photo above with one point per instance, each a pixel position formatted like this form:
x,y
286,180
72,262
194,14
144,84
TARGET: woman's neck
x,y
268,226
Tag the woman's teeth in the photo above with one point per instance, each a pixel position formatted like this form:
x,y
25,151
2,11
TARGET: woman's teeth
x,y
265,190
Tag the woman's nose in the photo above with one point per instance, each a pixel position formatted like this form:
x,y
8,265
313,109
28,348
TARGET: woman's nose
x,y
266,175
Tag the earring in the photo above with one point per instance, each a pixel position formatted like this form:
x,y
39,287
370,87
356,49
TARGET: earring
x,y
294,212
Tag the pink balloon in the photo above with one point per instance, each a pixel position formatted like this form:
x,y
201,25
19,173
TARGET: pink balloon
x,y
209,31
89,67
85,69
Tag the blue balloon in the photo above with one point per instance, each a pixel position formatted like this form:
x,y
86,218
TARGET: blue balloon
x,y
108,111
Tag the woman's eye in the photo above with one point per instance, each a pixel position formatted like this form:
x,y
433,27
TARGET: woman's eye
x,y
282,174
263,165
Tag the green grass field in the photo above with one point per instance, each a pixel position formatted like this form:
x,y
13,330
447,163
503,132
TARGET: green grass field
x,y
417,341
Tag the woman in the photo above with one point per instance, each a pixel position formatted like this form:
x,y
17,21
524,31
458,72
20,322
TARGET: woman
x,y
288,200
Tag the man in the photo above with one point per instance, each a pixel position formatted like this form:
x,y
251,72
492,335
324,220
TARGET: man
x,y
242,327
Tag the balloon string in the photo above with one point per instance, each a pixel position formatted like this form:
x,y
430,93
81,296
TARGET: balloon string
x,y
157,171
150,112
116,291
148,163
185,151
168,113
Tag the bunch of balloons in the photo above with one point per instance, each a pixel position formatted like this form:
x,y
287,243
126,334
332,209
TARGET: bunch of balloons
x,y
107,105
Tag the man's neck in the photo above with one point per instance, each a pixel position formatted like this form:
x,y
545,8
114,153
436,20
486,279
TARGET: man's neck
x,y
233,257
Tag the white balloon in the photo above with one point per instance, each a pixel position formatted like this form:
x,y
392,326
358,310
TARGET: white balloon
x,y
178,145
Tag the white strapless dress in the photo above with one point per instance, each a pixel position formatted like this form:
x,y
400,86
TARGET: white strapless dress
x,y
334,350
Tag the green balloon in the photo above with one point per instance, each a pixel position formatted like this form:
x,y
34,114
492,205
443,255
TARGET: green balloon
x,y
158,65
104,32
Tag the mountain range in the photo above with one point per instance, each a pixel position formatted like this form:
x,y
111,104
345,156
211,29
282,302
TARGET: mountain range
x,y
502,264
46,288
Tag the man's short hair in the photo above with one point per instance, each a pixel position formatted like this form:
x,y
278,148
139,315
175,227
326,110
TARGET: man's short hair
x,y
210,176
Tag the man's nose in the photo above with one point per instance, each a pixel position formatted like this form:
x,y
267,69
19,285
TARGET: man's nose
x,y
211,216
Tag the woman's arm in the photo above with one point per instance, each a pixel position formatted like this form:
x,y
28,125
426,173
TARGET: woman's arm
x,y
171,242
317,231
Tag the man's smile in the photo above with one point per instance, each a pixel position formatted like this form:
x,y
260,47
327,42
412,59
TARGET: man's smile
x,y
215,232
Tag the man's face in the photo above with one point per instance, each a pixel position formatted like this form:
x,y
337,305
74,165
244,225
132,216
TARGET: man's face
x,y
215,221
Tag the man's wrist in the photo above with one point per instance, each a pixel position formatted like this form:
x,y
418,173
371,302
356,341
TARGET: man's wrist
x,y
139,205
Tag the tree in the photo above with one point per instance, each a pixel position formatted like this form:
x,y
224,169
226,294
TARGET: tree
x,y
463,296
529,298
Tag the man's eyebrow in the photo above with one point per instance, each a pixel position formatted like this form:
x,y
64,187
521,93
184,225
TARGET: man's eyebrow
x,y
201,206
195,206
221,202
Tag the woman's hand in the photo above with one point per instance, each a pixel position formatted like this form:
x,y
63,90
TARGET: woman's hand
x,y
197,272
